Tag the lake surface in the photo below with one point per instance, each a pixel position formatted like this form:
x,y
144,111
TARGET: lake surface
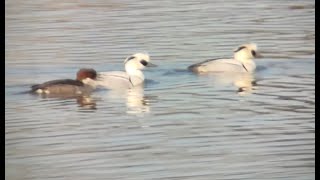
x,y
180,125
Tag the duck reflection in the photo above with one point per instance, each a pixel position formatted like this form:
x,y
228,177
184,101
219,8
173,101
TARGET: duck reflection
x,y
84,101
243,81
135,100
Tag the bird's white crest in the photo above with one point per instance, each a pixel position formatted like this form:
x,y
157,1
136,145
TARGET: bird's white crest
x,y
138,57
244,52
134,66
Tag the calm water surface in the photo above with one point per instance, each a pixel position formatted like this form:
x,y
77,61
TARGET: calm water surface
x,y
180,125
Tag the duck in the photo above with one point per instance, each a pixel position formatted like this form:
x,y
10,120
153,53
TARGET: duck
x,y
83,84
242,61
131,77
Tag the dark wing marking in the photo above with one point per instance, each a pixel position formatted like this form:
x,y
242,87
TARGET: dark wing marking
x,y
56,82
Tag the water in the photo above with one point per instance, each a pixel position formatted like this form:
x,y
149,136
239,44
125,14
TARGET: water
x,y
180,126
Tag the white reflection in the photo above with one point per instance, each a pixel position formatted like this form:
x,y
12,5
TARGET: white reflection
x,y
136,101
244,82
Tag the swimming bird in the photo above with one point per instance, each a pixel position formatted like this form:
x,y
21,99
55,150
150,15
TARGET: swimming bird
x,y
132,76
242,61
83,84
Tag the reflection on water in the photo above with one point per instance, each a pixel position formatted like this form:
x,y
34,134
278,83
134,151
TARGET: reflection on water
x,y
179,125
243,81
137,102
134,99
86,101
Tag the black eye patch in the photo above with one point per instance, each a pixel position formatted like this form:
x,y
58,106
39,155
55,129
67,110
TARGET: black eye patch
x,y
242,47
253,53
144,62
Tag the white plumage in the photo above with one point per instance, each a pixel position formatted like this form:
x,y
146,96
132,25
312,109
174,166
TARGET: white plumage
x,y
132,76
242,61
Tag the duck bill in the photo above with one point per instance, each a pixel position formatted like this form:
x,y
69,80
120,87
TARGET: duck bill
x,y
258,55
151,65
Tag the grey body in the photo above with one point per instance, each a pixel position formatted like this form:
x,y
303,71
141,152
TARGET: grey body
x,y
63,86
118,80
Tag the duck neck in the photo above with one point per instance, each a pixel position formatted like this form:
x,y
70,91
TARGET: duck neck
x,y
90,82
135,72
248,64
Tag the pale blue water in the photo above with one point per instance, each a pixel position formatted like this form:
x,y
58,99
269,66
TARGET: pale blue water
x,y
180,126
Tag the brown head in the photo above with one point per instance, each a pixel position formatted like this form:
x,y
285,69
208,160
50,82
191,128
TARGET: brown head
x,y
86,73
